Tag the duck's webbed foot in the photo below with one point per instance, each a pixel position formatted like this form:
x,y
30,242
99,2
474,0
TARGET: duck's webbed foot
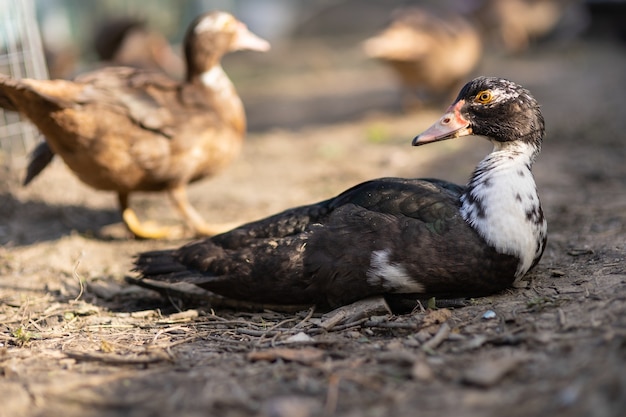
x,y
193,219
149,230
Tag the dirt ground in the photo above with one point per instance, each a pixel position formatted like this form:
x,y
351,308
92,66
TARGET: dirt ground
x,y
76,340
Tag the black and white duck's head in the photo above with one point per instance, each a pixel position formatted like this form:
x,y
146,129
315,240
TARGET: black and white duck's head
x,y
213,34
498,109
500,201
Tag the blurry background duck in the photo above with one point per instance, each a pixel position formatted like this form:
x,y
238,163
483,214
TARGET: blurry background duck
x,y
513,25
121,40
126,129
430,52
128,41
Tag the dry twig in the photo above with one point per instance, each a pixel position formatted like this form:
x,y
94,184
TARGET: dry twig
x,y
114,359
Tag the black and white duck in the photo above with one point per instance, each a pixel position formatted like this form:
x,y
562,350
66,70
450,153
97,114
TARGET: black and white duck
x,y
390,236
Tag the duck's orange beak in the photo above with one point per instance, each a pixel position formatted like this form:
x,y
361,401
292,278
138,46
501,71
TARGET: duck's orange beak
x,y
451,125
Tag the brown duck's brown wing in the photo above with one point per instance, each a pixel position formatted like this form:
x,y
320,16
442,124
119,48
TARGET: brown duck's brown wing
x,y
148,130
34,98
113,77
148,98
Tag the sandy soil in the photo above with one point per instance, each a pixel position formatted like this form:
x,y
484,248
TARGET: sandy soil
x,y
76,340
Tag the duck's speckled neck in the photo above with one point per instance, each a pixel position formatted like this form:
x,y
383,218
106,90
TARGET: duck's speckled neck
x,y
502,205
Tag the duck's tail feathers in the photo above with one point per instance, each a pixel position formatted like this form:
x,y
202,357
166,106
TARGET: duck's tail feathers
x,y
40,158
158,264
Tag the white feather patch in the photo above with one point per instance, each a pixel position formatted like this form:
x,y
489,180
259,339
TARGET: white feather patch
x,y
391,276
213,23
502,195
216,79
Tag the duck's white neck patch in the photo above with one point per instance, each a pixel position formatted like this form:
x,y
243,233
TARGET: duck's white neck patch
x,y
216,79
391,276
502,204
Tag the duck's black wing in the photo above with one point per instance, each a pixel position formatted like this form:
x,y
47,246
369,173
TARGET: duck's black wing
x,y
384,236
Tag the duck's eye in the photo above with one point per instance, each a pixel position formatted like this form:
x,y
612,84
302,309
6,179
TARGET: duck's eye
x,y
483,97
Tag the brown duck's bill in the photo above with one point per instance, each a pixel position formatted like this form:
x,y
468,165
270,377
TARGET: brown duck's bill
x,y
451,125
247,40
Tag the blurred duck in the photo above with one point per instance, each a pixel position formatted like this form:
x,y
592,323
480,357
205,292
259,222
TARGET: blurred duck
x,y
430,53
122,41
514,24
127,130
128,42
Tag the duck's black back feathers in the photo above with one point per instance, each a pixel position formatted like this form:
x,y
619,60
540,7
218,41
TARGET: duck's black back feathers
x,y
340,250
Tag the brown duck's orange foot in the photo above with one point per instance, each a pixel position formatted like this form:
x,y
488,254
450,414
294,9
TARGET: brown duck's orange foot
x,y
194,220
149,230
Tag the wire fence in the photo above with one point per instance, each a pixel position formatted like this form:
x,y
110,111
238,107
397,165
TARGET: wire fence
x,y
21,56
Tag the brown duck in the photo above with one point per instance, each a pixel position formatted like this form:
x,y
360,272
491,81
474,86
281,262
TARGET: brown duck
x,y
126,130
130,42
430,52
